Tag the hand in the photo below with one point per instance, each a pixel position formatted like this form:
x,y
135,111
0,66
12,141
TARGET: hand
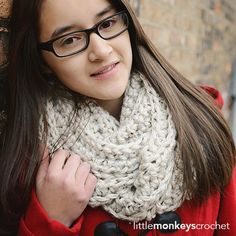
x,y
64,186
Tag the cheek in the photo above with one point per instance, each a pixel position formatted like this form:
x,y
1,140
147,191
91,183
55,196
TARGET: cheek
x,y
66,68
127,49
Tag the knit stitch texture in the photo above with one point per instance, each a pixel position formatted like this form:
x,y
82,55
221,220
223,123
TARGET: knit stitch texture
x,y
136,160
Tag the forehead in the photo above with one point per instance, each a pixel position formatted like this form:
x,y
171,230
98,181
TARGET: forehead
x,y
58,13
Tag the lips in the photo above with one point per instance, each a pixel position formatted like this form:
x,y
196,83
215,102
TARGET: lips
x,y
104,69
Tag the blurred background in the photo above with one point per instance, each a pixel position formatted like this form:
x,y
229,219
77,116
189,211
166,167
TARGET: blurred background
x,y
198,37
4,18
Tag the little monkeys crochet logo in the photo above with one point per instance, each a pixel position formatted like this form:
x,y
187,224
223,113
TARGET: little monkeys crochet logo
x,y
167,222
170,222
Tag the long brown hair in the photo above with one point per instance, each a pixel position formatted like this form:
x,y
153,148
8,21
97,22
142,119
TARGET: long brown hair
x,y
204,138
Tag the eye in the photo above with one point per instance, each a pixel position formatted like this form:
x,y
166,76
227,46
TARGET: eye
x,y
108,24
71,40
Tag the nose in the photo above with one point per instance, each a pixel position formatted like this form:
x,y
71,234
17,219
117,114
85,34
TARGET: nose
x,y
99,48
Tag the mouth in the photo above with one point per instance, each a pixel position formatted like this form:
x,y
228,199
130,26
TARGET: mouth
x,y
104,69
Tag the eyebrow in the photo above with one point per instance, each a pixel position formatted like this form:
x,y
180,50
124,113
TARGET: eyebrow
x,y
64,29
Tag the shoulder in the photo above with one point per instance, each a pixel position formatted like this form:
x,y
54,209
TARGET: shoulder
x,y
215,94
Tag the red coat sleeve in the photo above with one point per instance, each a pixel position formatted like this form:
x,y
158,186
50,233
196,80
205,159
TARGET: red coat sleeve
x,y
218,99
228,209
36,222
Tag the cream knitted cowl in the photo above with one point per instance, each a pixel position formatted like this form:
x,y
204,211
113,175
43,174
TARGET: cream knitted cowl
x,y
136,160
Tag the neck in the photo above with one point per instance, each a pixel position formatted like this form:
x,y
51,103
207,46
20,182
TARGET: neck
x,y
112,106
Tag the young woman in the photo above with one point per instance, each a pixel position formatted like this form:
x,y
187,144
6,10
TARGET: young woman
x,y
102,136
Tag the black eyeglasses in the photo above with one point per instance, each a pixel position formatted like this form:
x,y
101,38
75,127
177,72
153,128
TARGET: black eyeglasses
x,y
77,41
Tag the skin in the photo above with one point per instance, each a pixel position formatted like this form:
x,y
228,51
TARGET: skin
x,y
64,185
76,71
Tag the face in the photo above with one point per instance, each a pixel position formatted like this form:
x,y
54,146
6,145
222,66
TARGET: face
x,y
103,69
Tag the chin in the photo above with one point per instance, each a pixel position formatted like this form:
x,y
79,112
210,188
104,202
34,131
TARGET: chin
x,y
112,97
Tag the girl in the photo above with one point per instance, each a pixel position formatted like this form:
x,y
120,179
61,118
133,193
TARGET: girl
x,y
102,136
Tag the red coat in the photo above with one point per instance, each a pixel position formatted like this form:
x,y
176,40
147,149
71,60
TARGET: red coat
x,y
216,215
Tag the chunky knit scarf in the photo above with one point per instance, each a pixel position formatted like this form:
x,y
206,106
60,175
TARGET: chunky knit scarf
x,y
136,159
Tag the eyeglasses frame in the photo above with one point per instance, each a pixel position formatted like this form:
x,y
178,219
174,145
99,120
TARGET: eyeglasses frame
x,y
48,46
